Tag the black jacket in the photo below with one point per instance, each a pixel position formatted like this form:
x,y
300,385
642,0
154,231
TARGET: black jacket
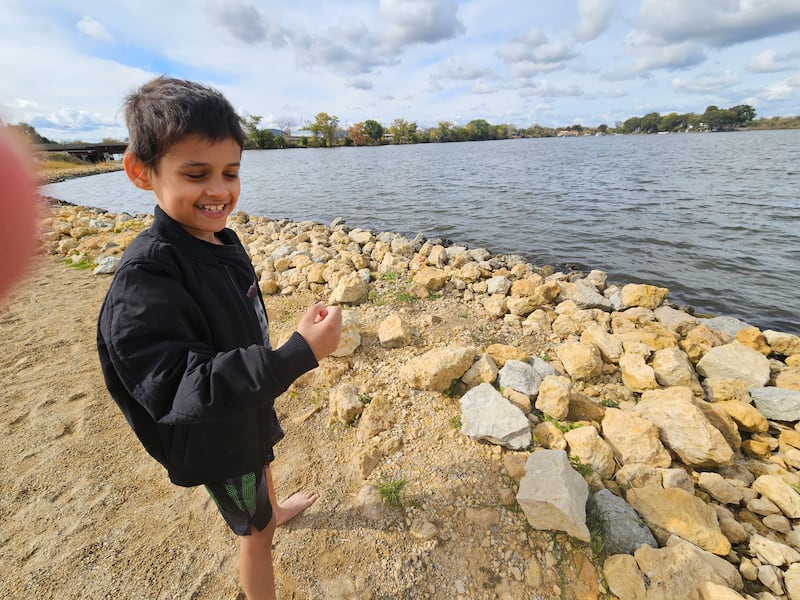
x,y
184,356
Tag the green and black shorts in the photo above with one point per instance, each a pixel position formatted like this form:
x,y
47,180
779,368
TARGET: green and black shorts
x,y
243,501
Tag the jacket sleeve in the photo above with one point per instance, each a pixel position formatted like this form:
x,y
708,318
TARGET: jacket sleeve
x,y
160,346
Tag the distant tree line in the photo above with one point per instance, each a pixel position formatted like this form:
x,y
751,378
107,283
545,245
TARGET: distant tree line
x,y
324,131
713,119
30,133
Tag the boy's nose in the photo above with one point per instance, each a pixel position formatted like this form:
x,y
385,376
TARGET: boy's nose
x,y
217,189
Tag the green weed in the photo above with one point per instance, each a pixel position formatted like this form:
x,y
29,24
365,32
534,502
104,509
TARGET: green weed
x,y
562,427
580,467
391,492
456,390
81,265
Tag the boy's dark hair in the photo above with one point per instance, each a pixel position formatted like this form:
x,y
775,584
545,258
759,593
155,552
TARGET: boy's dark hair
x,y
165,110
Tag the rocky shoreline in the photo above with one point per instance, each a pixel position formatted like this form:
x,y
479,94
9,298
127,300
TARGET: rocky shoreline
x,y
46,176
666,446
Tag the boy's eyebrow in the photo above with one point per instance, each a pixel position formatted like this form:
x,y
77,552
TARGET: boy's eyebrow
x,y
198,163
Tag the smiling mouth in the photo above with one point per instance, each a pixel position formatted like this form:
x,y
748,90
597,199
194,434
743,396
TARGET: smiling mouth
x,y
212,207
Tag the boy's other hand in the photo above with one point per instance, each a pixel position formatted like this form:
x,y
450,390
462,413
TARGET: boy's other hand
x,y
321,327
19,205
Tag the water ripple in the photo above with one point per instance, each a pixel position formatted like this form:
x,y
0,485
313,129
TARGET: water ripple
x,y
713,217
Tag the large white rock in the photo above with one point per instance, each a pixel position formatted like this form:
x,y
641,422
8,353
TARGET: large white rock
x,y
634,439
487,415
719,489
771,552
636,373
436,369
554,395
350,339
587,445
581,361
783,343
609,345
553,495
393,332
780,493
676,511
351,289
684,429
735,361
519,376
641,294
483,370
672,367
779,404
792,581
584,295
345,403
677,320
678,571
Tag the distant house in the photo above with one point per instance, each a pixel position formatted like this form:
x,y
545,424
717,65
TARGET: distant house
x,y
297,136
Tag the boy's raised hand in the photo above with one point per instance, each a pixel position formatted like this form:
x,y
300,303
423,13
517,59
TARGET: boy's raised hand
x,y
321,327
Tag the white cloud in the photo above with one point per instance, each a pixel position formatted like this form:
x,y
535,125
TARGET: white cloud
x,y
718,23
481,87
527,69
595,18
781,90
770,61
422,60
557,51
94,29
777,91
242,20
426,21
545,89
705,84
532,53
676,56
360,84
22,104
461,71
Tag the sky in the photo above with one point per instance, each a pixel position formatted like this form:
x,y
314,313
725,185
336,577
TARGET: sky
x,y
66,67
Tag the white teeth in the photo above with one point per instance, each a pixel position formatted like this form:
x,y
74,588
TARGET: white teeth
x,y
212,207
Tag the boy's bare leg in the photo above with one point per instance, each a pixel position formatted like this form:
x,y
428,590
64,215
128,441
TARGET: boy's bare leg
x,y
292,506
256,574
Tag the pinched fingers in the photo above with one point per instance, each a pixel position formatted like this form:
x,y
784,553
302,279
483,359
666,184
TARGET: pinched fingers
x,y
321,327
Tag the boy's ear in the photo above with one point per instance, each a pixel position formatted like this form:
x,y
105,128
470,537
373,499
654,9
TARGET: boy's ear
x,y
136,171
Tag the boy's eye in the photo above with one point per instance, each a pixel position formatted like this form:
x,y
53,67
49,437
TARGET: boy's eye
x,y
195,176
231,175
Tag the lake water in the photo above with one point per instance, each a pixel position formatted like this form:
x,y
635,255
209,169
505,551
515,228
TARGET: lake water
x,y
713,217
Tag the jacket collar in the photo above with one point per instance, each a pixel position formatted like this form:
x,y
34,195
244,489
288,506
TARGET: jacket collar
x,y
168,228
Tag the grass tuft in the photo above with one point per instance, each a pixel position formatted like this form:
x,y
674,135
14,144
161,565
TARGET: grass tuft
x,y
391,492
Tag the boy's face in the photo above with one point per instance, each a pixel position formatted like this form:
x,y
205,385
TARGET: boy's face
x,y
196,183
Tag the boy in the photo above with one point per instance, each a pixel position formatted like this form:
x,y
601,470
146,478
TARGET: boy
x,y
182,334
